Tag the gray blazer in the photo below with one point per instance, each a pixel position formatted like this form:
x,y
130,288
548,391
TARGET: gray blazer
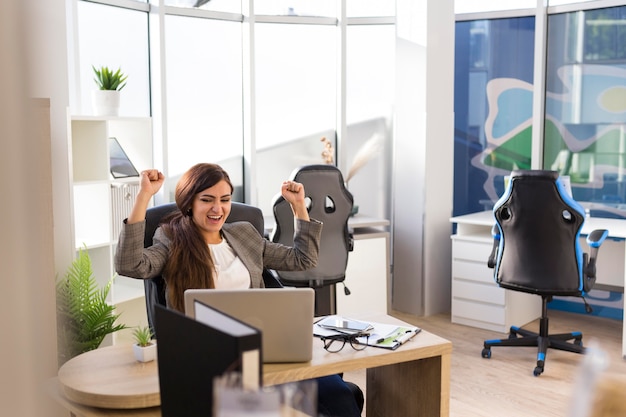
x,y
256,252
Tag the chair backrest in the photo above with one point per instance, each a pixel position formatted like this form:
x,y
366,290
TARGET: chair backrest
x,y
539,225
155,287
329,202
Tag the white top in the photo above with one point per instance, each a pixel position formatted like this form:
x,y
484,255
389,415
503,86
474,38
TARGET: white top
x,y
230,272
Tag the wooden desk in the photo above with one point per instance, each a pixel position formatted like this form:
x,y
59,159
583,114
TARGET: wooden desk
x,y
413,380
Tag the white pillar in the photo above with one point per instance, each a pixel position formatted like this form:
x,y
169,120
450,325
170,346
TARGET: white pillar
x,y
423,156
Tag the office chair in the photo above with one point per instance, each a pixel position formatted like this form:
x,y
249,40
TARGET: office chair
x,y
536,250
155,287
330,202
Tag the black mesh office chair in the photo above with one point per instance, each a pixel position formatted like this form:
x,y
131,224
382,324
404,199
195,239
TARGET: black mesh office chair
x,y
330,202
536,250
155,287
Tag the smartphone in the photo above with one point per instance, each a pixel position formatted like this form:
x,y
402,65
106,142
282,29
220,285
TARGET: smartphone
x,y
342,323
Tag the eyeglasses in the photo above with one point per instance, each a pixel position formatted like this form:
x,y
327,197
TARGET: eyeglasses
x,y
335,343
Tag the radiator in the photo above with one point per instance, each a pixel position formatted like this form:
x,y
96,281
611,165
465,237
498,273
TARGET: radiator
x,y
123,196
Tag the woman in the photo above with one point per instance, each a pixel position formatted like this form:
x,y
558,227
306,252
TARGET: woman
x,y
195,248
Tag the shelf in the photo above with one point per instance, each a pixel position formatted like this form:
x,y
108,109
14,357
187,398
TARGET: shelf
x,y
101,202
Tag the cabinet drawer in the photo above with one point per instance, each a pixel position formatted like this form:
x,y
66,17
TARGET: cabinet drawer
x,y
487,313
467,290
471,250
472,271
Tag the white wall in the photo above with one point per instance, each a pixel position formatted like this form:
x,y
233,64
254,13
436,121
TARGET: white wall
x,y
32,64
423,156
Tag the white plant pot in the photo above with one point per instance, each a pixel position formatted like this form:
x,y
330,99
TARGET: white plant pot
x,y
105,102
145,354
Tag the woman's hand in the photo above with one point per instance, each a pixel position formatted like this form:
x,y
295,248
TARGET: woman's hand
x,y
150,183
293,192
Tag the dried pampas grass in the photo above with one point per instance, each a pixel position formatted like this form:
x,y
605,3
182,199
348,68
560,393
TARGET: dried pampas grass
x,y
370,149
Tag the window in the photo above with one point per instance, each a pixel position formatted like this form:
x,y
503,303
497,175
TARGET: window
x,y
98,45
204,96
370,84
585,113
296,98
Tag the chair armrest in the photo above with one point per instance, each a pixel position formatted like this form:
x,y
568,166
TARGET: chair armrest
x,y
495,232
271,279
594,240
596,237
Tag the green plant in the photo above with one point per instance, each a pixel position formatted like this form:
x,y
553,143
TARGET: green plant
x,y
143,336
84,317
106,79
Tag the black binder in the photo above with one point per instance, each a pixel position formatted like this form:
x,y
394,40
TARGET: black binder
x,y
192,352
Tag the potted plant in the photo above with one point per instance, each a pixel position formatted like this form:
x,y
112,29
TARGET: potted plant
x,y
106,99
84,317
144,347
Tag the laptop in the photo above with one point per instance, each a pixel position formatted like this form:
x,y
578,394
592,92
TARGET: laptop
x,y
284,316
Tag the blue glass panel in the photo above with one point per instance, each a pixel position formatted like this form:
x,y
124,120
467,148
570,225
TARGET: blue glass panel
x,y
493,107
585,113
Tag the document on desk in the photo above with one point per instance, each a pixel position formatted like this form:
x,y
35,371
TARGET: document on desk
x,y
389,336
386,336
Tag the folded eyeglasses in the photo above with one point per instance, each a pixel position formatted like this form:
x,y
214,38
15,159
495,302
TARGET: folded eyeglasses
x,y
334,343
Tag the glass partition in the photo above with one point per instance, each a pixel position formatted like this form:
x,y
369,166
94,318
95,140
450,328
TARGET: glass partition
x,y
585,113
493,94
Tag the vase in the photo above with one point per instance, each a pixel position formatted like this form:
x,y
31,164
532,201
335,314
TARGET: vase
x,y
145,353
105,102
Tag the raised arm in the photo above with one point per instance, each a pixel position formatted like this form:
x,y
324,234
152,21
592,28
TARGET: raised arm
x,y
293,192
150,184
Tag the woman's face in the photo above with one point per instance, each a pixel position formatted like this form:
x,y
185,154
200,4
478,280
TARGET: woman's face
x,y
210,209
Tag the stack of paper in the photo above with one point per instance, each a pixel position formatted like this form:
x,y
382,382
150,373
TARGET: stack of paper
x,y
387,336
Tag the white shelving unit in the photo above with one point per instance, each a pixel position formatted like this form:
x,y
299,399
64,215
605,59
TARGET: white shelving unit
x,y
101,202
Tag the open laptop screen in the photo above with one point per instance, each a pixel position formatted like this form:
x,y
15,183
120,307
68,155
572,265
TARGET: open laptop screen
x,y
119,163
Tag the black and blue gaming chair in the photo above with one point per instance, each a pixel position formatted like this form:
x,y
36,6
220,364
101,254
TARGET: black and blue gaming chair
x,y
536,250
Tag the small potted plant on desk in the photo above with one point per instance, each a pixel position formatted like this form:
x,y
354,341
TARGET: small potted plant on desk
x,y
106,99
144,347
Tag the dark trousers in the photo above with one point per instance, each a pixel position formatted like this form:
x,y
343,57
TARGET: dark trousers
x,y
335,398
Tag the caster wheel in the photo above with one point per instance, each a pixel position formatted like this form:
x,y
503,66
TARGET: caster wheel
x,y
538,371
512,335
486,353
578,342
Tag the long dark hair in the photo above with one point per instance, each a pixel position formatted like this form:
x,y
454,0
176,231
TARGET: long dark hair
x,y
189,264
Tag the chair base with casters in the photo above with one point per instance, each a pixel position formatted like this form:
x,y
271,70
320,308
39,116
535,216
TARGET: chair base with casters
x,y
571,342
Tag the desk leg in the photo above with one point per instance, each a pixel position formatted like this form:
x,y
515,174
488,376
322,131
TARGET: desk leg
x,y
416,388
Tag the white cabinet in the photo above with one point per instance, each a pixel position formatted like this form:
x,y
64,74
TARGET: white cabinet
x,y
476,298
101,202
367,275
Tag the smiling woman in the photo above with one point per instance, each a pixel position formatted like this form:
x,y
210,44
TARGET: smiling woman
x,y
194,248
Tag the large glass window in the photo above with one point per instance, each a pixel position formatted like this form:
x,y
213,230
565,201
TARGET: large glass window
x,y
204,96
493,94
370,85
585,119
296,98
126,49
